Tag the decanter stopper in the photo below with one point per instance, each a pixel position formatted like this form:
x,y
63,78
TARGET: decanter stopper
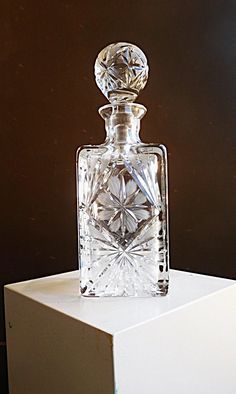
x,y
121,72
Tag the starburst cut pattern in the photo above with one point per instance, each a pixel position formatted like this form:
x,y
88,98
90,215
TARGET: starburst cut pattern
x,y
123,206
111,266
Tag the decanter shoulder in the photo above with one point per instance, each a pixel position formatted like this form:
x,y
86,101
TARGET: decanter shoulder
x,y
86,151
158,149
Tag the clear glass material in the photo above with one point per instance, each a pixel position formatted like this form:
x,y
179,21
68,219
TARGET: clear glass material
x,y
122,190
122,208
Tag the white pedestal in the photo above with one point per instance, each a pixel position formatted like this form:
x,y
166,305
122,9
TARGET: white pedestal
x,y
184,343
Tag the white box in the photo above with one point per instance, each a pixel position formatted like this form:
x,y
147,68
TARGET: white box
x,y
184,343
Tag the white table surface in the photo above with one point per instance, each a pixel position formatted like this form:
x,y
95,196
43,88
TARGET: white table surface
x,y
113,315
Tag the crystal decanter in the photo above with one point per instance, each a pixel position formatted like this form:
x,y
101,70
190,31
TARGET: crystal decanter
x,y
122,189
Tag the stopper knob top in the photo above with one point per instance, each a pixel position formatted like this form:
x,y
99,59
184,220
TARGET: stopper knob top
x,y
121,72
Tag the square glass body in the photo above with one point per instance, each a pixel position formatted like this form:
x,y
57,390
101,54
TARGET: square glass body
x,y
123,220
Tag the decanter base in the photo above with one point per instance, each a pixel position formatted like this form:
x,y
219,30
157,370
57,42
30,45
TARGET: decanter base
x,y
160,290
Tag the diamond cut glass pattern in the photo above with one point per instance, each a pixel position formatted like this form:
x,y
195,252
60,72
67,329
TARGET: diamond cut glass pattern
x,y
123,206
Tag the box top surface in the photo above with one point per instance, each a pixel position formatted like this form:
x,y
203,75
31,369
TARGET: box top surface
x,y
112,315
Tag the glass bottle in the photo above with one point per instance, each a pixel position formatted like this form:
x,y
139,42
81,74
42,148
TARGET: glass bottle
x,y
122,190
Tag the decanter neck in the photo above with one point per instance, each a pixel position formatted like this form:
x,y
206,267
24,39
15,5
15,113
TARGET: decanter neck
x,y
122,122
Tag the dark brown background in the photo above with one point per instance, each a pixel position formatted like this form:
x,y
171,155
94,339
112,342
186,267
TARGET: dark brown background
x,y
48,106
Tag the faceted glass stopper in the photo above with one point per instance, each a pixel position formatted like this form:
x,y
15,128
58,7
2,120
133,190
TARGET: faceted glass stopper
x,y
121,72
